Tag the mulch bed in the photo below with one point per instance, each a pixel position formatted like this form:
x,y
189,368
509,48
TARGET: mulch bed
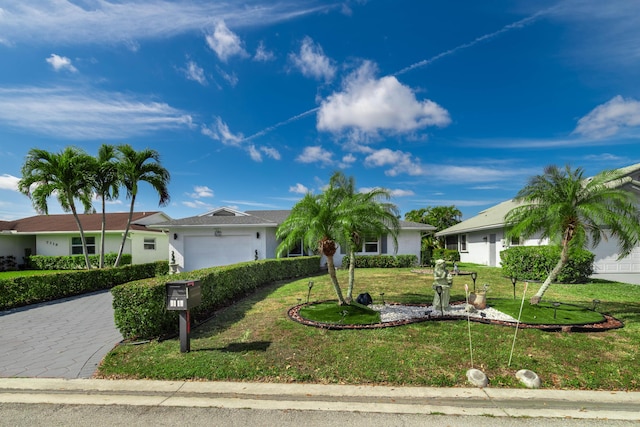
x,y
608,323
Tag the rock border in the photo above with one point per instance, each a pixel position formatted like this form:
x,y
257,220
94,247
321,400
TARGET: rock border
x,y
607,324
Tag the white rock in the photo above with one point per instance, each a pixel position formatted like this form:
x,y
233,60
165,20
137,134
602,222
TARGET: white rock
x,y
477,378
528,378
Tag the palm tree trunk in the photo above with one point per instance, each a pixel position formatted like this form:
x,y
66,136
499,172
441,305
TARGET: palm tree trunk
x,y
352,275
126,232
102,232
82,238
334,279
564,258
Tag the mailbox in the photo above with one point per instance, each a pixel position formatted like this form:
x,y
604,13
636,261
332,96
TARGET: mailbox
x,y
183,294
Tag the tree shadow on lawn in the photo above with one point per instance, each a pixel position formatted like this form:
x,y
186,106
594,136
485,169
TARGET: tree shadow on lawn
x,y
239,347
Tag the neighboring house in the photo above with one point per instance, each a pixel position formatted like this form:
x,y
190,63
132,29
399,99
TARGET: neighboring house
x,y
56,235
226,236
480,239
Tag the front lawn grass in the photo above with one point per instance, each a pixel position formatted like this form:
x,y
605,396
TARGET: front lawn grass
x,y
25,273
254,340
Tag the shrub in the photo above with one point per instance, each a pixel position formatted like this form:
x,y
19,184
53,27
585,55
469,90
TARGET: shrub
x,y
450,255
535,263
382,261
25,290
73,262
139,307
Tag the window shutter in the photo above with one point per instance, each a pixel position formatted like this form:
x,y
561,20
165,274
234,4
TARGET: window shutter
x,y
383,241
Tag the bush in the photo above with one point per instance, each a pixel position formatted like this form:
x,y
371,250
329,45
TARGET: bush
x,y
450,255
73,262
535,263
25,290
382,261
139,307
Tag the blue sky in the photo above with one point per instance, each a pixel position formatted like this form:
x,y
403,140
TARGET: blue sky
x,y
253,103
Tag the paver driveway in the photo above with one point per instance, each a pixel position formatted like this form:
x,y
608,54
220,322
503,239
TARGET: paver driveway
x,y
66,338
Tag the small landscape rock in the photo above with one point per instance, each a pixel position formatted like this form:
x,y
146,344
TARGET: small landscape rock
x,y
528,378
477,378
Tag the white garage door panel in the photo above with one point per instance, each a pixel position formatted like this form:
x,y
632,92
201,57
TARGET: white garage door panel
x,y
606,260
204,251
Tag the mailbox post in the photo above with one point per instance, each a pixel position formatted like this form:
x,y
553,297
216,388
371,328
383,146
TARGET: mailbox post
x,y
183,295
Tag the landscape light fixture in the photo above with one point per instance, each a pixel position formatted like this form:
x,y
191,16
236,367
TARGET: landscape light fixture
x,y
513,282
555,308
595,304
439,291
474,276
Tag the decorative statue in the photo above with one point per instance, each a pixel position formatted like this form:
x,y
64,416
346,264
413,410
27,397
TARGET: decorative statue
x,y
442,285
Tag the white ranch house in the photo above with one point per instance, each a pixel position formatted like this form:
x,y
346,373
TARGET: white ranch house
x,y
480,239
226,236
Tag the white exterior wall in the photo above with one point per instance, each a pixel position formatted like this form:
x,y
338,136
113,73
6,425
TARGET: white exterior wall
x,y
15,245
140,255
481,251
409,243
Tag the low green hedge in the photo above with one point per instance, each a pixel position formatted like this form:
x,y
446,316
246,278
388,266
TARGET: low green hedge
x,y
535,263
74,262
382,261
139,307
19,291
450,255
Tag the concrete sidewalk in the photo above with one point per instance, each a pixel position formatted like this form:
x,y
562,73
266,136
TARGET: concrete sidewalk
x,y
575,404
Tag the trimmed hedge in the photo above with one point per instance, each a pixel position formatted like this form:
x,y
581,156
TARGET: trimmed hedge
x,y
382,261
20,291
450,255
139,307
535,263
74,262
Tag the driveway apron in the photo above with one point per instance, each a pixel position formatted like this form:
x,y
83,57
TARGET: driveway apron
x,y
66,338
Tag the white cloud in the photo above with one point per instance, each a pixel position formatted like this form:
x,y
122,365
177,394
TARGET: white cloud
x,y
196,73
399,161
200,191
68,22
197,204
609,118
254,153
61,63
394,193
271,152
230,78
368,105
9,182
262,54
312,62
315,154
86,114
298,189
225,43
220,132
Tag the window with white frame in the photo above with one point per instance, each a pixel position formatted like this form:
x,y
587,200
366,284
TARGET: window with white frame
x,y
515,241
149,243
296,250
463,242
76,245
370,245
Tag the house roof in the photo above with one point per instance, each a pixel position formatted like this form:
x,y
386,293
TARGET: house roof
x,y
66,223
493,217
226,217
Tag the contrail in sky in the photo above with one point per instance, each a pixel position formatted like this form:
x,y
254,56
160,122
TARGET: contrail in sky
x,y
514,25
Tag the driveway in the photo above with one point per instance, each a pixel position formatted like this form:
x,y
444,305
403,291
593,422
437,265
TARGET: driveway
x,y
66,338
632,278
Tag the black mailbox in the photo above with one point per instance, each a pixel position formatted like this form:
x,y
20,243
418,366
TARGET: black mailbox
x,y
183,294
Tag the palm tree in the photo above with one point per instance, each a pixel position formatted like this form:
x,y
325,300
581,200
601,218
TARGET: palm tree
x,y
134,167
337,216
564,206
366,215
66,174
106,184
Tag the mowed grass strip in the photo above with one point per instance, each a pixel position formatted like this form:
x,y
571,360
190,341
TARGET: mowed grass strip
x,y
254,340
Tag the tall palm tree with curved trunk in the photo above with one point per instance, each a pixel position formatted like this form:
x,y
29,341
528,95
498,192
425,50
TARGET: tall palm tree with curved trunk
x,y
334,217
67,175
565,207
140,166
106,184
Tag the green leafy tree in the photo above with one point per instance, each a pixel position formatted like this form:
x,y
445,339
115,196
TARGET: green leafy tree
x,y
337,216
135,167
441,217
565,207
106,184
67,175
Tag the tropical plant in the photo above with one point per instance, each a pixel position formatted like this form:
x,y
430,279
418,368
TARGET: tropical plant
x,y
564,207
106,185
140,166
440,217
336,216
64,175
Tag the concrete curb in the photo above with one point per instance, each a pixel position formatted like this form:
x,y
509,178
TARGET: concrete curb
x,y
542,403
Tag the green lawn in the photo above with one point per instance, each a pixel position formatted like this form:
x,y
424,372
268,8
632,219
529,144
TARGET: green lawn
x,y
26,273
255,340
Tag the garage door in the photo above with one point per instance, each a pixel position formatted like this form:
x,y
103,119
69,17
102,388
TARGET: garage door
x,y
209,251
606,260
